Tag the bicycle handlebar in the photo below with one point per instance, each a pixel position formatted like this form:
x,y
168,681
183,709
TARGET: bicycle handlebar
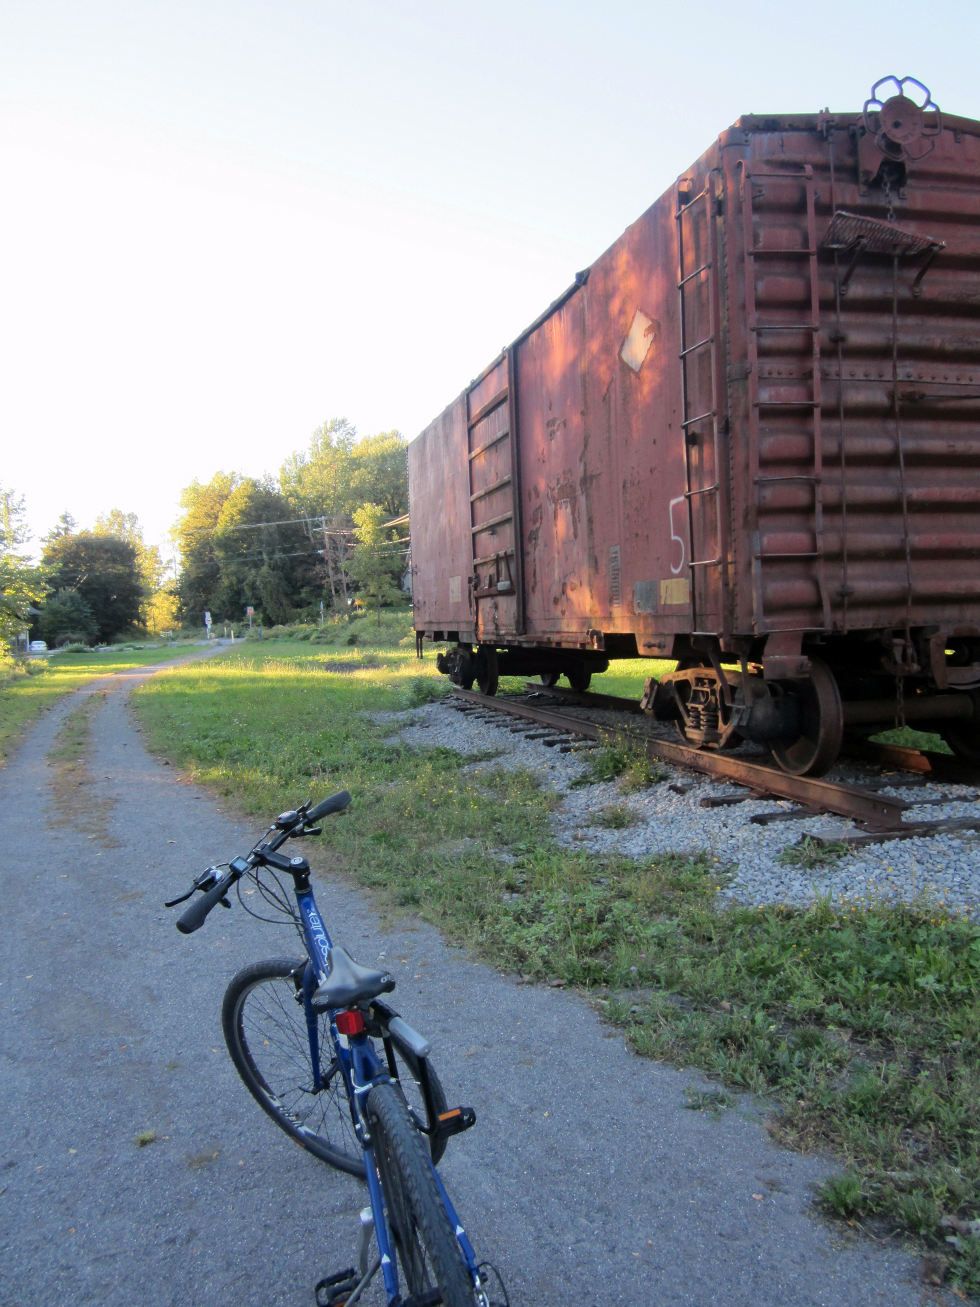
x,y
193,917
299,823
336,803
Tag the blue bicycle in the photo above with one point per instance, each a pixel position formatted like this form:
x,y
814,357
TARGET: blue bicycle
x,y
341,1073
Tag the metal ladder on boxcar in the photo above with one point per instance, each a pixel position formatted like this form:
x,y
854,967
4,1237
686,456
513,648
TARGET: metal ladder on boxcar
x,y
810,404
699,410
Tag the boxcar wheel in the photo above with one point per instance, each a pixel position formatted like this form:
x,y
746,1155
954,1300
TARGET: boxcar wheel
x,y
964,737
487,677
821,725
549,678
579,679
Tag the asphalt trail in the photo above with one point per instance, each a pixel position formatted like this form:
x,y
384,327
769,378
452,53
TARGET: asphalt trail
x,y
586,1178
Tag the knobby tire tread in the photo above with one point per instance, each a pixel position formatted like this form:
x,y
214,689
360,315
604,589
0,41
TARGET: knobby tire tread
x,y
419,1225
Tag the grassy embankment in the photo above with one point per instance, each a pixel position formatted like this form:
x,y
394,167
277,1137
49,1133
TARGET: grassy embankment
x,y
862,1028
28,687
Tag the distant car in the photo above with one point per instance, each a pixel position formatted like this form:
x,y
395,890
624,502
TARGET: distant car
x,y
38,646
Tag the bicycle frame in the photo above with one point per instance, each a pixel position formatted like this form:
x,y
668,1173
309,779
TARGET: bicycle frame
x,y
362,1069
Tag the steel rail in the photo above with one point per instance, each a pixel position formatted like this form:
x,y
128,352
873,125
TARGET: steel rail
x,y
895,757
871,810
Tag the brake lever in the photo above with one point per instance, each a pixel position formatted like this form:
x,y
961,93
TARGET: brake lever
x,y
172,903
201,882
310,830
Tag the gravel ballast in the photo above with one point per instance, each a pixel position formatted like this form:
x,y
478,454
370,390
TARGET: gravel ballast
x,y
941,871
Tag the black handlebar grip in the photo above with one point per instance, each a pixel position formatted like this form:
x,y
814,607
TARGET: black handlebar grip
x,y
336,803
193,918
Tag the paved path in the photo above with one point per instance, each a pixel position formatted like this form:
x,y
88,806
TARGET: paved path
x,y
586,1178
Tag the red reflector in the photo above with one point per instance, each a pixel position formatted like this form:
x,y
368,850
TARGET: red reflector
x,y
349,1023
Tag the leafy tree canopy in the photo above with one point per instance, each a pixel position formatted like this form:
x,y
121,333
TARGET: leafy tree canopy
x,y
376,563
104,570
339,472
264,558
21,585
65,526
200,571
67,616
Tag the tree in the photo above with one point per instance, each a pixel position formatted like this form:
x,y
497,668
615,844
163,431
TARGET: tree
x,y
65,526
161,611
264,558
66,616
104,571
127,526
336,476
317,482
21,585
339,472
200,570
380,472
375,564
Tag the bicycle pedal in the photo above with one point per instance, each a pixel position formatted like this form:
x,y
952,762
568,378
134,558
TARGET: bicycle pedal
x,y
455,1121
334,1290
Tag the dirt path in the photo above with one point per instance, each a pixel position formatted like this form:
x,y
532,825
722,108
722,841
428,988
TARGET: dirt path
x,y
134,1167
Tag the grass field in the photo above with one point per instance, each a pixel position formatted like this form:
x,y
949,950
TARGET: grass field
x,y
863,1030
28,688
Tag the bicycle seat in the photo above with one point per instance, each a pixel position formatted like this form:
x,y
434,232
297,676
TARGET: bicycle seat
x,y
349,983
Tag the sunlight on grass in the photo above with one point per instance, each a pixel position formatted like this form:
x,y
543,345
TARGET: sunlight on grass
x,y
25,692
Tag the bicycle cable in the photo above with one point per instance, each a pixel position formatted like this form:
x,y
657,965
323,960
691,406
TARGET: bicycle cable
x,y
276,898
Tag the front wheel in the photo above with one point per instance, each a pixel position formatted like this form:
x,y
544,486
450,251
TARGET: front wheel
x,y
423,1240
264,1023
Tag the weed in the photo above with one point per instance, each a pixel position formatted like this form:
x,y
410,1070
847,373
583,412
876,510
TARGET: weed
x,y
422,690
145,1137
714,1101
810,853
625,760
615,816
841,1195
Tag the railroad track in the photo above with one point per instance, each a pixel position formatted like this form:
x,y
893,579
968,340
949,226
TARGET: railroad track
x,y
877,816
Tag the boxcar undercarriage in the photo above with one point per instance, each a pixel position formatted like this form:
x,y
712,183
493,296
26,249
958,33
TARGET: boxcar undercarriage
x,y
717,698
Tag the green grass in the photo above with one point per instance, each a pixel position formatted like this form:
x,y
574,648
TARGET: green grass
x,y
862,1026
626,677
621,760
28,688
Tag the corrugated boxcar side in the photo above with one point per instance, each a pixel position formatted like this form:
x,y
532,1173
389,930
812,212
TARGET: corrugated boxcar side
x,y
441,560
855,445
724,429
602,451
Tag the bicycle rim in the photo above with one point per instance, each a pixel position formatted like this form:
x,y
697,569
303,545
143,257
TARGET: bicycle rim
x,y
264,1024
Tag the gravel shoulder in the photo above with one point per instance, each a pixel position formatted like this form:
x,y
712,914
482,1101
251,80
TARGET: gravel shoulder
x,y
135,1166
943,870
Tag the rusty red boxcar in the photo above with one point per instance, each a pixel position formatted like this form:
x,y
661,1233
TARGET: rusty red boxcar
x,y
748,439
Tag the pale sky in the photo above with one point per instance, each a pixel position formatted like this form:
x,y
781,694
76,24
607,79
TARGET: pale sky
x,y
224,222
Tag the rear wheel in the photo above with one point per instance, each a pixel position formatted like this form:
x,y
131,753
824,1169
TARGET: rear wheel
x,y
549,678
425,1246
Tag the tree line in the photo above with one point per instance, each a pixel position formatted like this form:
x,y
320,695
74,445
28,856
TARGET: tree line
x,y
321,533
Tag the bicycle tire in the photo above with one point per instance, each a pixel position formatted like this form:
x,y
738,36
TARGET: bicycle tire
x,y
264,1025
424,1243
265,1029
